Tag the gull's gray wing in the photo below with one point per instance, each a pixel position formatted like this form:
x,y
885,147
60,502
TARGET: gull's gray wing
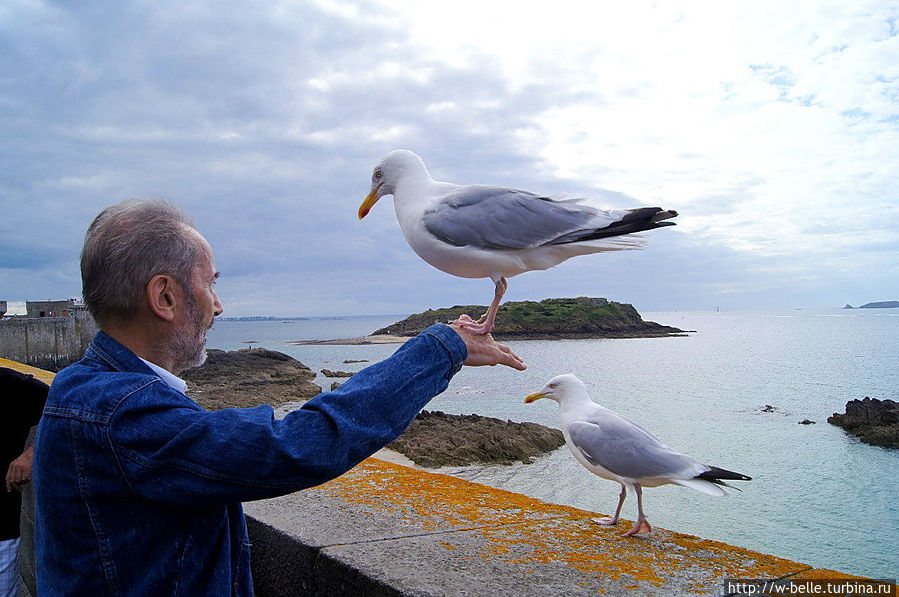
x,y
628,450
500,218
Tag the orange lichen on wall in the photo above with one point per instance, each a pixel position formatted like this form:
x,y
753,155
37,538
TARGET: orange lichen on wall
x,y
525,531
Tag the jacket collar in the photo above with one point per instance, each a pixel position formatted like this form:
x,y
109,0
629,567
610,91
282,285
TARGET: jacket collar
x,y
108,350
167,376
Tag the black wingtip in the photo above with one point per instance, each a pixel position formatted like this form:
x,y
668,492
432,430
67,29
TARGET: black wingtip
x,y
664,215
716,473
635,220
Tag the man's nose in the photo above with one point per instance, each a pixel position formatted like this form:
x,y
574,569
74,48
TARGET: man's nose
x,y
217,306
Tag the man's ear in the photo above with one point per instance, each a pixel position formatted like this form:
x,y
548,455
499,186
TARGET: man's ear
x,y
163,294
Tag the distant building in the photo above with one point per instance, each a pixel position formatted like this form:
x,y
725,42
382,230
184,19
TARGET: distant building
x,y
63,308
50,335
2,308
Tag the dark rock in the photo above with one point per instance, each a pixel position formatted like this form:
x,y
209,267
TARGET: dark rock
x,y
806,422
335,385
438,439
768,409
249,377
874,421
329,373
355,361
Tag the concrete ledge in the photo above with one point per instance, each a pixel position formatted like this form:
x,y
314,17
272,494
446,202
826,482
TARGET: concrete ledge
x,y
386,529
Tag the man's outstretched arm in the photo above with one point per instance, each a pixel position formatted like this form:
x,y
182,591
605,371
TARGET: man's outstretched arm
x,y
190,456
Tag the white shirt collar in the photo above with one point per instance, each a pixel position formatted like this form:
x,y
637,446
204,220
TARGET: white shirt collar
x,y
172,380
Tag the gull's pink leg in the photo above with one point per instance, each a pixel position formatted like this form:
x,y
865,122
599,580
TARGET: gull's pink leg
x,y
484,325
614,520
641,526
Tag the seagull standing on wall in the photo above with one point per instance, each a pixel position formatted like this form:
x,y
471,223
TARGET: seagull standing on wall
x,y
477,231
616,448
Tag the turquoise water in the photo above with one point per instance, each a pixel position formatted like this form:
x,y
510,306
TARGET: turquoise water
x,y
818,495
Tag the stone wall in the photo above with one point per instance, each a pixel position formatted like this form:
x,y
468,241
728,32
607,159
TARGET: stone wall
x,y
47,342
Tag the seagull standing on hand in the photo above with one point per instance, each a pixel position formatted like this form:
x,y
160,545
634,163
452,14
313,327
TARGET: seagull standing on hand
x,y
616,448
477,231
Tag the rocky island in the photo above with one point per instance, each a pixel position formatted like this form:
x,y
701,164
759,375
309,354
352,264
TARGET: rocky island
x,y
253,376
558,318
874,421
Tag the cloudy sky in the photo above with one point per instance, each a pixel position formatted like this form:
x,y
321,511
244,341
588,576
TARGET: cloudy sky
x,y
772,127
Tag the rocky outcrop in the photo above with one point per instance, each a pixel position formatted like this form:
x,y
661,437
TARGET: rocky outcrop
x,y
329,373
249,377
562,318
438,439
873,421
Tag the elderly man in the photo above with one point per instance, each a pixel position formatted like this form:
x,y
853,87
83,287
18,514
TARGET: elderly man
x,y
138,487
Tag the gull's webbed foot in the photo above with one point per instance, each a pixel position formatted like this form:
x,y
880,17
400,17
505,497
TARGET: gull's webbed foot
x,y
481,326
641,526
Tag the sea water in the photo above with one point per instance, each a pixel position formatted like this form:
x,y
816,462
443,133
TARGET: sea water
x,y
818,495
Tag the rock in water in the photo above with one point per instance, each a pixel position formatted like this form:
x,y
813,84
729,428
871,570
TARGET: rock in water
x,y
438,439
329,373
249,377
874,421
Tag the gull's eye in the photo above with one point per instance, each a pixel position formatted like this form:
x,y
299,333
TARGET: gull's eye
x,y
553,385
377,174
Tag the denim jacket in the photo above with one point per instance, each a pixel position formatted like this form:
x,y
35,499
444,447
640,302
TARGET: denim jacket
x,y
138,488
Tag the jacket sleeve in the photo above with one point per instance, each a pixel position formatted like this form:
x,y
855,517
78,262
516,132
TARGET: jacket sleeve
x,y
168,449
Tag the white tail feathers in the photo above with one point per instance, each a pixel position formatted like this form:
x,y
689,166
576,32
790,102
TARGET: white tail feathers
x,y
702,486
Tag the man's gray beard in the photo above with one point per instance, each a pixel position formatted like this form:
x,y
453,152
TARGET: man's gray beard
x,y
188,349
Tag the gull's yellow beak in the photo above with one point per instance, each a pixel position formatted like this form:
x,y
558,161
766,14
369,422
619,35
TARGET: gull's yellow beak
x,y
370,201
534,396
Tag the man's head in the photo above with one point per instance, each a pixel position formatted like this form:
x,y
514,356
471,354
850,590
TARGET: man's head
x,y
146,257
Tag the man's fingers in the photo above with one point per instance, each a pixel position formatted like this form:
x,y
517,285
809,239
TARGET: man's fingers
x,y
508,351
511,359
484,350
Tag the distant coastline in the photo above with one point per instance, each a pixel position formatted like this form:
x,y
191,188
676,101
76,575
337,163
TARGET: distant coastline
x,y
875,305
289,319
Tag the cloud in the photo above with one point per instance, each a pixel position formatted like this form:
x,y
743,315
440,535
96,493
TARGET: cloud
x,y
773,133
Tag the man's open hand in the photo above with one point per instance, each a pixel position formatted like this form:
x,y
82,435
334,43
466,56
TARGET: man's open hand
x,y
483,350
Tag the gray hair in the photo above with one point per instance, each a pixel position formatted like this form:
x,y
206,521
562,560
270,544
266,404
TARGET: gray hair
x,y
128,244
